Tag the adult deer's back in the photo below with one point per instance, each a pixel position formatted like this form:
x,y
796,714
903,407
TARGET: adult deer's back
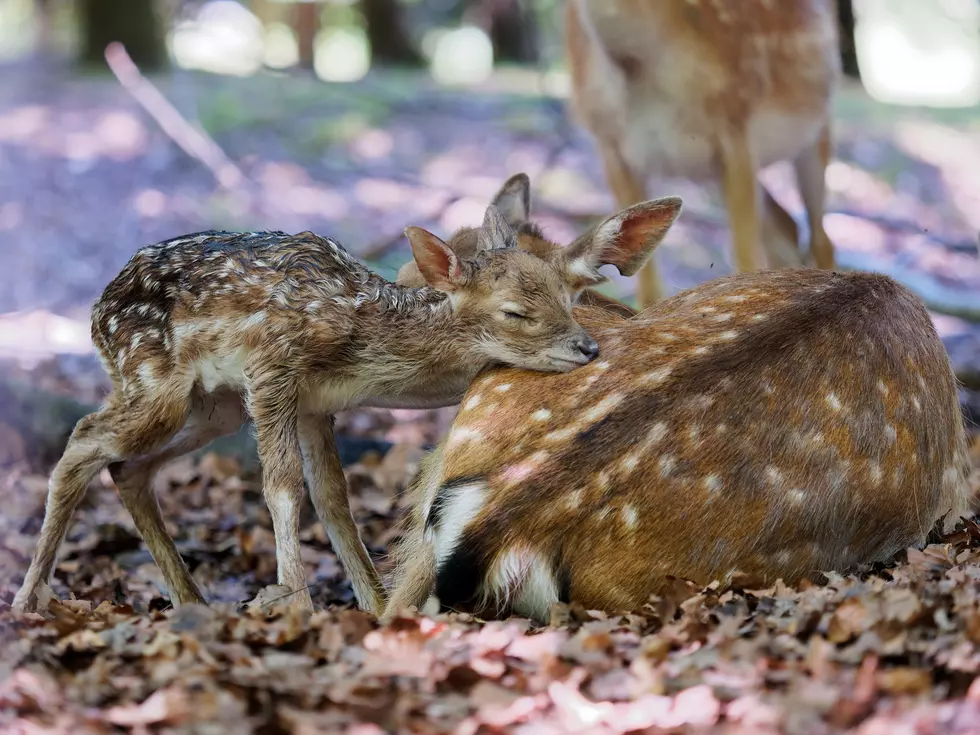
x,y
712,90
773,423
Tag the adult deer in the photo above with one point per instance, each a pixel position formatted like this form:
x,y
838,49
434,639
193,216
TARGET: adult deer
x,y
711,90
775,423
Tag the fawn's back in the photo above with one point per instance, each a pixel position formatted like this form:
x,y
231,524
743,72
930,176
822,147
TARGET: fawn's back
x,y
670,80
773,423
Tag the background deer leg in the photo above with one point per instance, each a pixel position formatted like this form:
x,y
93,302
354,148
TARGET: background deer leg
x,y
629,189
741,191
811,168
780,234
272,403
328,491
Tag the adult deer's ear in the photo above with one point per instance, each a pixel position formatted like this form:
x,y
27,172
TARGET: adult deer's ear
x,y
625,240
514,200
436,261
495,233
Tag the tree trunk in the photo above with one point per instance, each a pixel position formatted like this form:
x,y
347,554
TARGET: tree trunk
x,y
306,23
390,42
845,25
513,31
134,23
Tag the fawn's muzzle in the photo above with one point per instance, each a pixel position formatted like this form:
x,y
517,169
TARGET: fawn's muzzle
x,y
588,347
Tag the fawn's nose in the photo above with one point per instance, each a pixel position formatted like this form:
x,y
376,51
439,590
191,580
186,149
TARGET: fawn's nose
x,y
588,347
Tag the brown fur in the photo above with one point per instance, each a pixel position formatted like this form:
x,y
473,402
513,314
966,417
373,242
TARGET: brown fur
x,y
774,423
716,90
201,332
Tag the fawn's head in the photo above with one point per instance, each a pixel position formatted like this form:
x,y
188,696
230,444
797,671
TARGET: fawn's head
x,y
624,240
512,306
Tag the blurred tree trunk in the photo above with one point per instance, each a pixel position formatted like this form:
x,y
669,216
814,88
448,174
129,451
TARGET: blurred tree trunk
x,y
134,23
845,25
390,42
512,30
306,23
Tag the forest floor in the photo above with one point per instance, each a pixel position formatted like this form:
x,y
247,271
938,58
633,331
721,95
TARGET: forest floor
x,y
86,178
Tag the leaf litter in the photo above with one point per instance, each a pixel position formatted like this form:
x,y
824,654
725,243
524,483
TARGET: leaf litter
x,y
894,649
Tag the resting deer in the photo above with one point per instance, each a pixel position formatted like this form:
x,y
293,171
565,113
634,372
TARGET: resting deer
x,y
204,331
711,90
772,423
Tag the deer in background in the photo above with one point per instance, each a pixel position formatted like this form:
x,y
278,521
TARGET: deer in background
x,y
202,332
711,90
772,423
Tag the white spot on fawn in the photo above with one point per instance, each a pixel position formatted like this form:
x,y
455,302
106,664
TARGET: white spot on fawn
x,y
657,376
796,496
574,499
760,317
604,365
254,320
712,483
502,388
890,433
473,402
882,387
630,516
833,401
657,433
915,404
729,335
702,350
874,473
631,462
561,435
542,414
774,476
667,463
113,324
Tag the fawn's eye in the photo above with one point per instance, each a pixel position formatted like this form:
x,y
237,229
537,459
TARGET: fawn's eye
x,y
512,310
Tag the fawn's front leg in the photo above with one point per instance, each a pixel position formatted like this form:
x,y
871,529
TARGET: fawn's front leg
x,y
272,403
328,491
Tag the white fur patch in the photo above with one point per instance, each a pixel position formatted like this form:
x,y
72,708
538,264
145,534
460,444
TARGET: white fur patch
x,y
463,505
522,580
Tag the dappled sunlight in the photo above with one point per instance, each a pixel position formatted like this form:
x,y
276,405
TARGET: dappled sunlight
x,y
922,58
461,55
224,38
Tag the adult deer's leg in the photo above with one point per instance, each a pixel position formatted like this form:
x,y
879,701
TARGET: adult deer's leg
x,y
780,235
811,169
124,428
272,401
209,419
741,191
628,189
328,491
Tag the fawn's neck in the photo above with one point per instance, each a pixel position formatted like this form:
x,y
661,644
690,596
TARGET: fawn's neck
x,y
412,351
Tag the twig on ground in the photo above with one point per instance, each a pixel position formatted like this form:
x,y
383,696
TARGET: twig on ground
x,y
192,140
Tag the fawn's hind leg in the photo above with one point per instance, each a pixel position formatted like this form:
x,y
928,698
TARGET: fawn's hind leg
x,y
125,427
210,418
811,170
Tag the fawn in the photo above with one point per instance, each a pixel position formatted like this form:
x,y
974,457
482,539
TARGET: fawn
x,y
202,332
711,90
775,423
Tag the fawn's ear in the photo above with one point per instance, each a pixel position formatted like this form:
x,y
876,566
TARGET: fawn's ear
x,y
435,260
409,276
514,200
495,233
625,240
